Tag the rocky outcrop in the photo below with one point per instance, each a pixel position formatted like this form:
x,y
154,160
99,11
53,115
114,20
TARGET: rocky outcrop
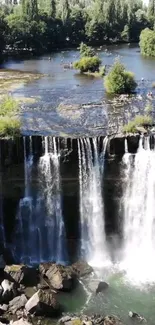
x,y
112,320
81,268
60,277
43,304
22,274
137,317
17,303
21,321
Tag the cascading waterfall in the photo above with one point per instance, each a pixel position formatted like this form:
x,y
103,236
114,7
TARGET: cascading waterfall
x,y
40,234
49,169
139,214
93,241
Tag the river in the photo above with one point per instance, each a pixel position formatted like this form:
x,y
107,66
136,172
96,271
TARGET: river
x,y
64,94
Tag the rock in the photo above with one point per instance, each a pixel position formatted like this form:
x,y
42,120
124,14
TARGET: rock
x,y
60,277
4,321
112,320
2,262
102,286
22,274
21,321
141,129
43,304
17,303
137,316
87,322
81,268
3,308
9,291
64,319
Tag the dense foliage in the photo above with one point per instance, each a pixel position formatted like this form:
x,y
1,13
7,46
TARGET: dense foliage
x,y
147,42
88,64
139,120
41,25
119,81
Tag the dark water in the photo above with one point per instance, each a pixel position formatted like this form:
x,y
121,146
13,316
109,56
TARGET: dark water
x,y
68,87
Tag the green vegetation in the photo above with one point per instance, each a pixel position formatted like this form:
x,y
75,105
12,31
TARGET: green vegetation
x,y
88,64
86,51
41,25
9,124
139,120
147,42
119,81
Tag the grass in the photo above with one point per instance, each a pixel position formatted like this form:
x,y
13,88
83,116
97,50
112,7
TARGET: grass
x,y
9,123
139,120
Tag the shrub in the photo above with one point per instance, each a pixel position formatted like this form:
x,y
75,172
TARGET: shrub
x,y
8,106
119,81
139,120
87,64
147,42
9,124
86,50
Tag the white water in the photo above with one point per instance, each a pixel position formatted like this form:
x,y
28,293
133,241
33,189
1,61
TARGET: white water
x,y
93,239
49,170
139,214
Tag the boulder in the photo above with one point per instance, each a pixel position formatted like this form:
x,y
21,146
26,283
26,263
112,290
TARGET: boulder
x,y
64,319
17,303
59,277
21,321
102,286
137,316
22,274
4,321
43,304
3,309
112,320
81,268
9,291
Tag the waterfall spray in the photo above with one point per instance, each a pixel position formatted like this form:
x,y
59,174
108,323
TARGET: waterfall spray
x,y
139,214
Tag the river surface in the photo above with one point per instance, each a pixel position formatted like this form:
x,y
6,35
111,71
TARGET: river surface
x,y
68,103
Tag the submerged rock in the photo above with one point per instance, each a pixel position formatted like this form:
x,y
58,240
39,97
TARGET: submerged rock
x,y
102,286
81,268
22,274
137,316
17,303
43,304
60,277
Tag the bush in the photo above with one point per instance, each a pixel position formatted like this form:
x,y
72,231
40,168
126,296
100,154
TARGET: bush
x,y
88,64
139,120
119,81
8,106
9,124
86,51
147,42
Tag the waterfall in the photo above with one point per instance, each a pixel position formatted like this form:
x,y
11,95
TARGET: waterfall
x,y
93,241
49,170
139,213
40,231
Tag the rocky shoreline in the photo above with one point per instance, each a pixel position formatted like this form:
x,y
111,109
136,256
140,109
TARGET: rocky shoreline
x,y
47,281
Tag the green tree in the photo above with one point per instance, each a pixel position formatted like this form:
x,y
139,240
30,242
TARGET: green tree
x,y
147,42
119,81
88,64
86,51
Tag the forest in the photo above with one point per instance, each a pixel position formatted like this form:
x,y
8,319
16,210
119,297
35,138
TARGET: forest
x,y
43,25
